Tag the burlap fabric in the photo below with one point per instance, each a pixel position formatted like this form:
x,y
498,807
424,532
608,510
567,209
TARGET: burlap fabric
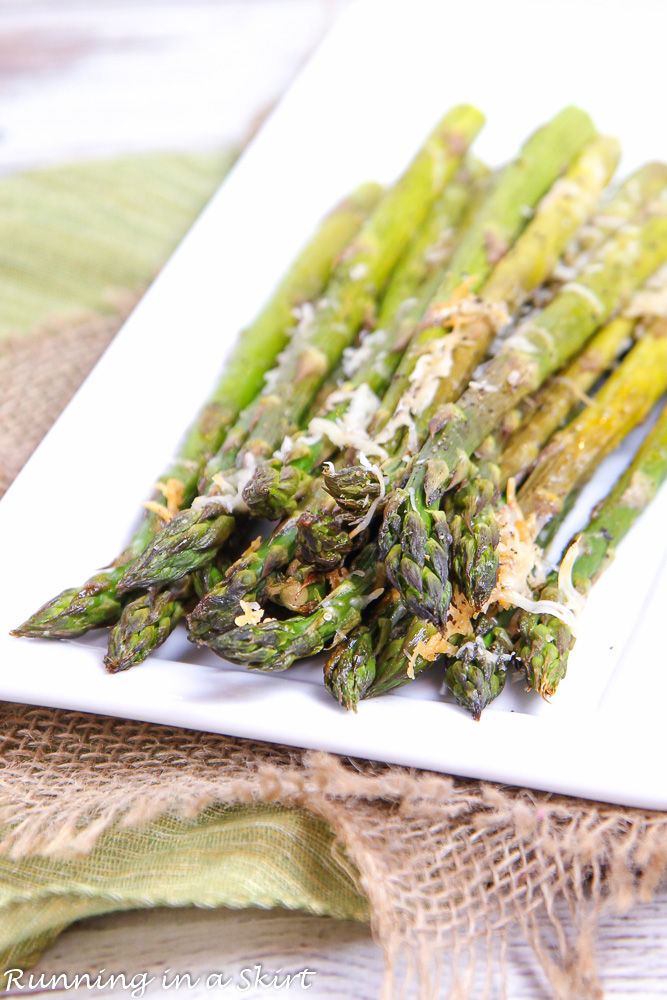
x,y
100,814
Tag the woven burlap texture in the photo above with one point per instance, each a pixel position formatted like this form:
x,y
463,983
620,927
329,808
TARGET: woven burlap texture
x,y
444,867
447,865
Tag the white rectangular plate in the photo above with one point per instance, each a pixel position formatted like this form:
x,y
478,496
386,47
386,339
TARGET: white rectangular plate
x,y
359,110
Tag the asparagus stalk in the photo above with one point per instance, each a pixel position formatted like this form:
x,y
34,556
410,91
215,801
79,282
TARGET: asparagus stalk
x,y
614,261
277,485
78,609
498,221
523,267
325,539
561,394
625,399
192,538
620,405
545,641
592,171
534,256
414,536
273,645
474,528
352,667
471,510
476,668
145,623
642,187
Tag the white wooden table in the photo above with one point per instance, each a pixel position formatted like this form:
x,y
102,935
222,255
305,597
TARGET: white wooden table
x,y
96,78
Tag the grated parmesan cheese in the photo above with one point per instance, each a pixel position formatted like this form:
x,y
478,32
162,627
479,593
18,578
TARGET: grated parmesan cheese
x,y
519,342
172,491
553,608
562,188
349,430
359,271
481,653
158,508
576,390
285,450
520,559
230,497
469,318
564,272
523,568
251,613
361,355
368,517
430,649
483,386
373,596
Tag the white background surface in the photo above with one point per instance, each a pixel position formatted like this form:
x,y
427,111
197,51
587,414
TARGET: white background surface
x,y
529,104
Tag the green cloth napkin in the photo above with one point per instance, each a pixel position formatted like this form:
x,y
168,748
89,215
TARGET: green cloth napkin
x,y
243,856
72,240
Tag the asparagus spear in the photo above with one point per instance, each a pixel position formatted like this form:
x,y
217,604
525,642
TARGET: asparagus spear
x,y
428,250
624,400
192,538
622,403
498,221
144,624
533,257
147,621
516,275
592,171
352,667
545,641
276,485
273,645
471,509
477,664
560,394
321,536
474,528
78,609
414,536
639,189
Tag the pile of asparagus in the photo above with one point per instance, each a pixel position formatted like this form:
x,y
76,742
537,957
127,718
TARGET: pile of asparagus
x,y
415,411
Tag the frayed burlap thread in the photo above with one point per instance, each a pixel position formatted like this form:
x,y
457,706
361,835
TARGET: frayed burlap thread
x,y
447,866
